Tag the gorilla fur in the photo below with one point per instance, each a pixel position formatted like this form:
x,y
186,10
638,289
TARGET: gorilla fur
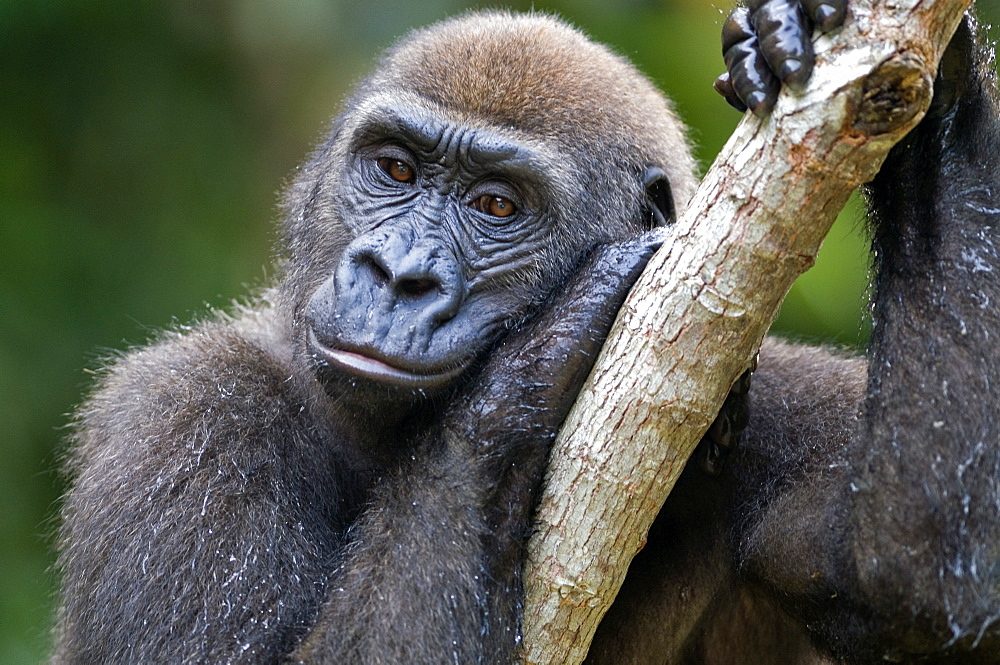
x,y
344,470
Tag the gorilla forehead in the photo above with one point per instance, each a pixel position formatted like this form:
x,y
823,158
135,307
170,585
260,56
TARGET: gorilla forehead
x,y
535,74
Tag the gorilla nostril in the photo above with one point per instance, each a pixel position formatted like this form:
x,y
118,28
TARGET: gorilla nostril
x,y
376,270
380,275
417,288
401,273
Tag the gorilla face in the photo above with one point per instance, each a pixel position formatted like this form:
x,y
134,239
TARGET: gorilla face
x,y
450,225
466,178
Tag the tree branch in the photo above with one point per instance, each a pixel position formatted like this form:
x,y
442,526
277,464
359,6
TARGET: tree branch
x,y
698,314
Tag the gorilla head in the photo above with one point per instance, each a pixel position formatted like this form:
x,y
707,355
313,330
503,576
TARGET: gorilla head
x,y
469,173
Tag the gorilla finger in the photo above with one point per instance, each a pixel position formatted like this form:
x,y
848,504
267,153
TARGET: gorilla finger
x,y
737,404
737,28
709,458
724,86
721,431
742,385
602,282
723,435
784,32
650,241
545,361
826,14
751,77
629,257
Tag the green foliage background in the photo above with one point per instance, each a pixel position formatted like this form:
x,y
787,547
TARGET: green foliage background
x,y
142,145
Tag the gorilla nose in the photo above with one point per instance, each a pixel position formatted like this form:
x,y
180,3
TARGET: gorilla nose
x,y
417,285
411,285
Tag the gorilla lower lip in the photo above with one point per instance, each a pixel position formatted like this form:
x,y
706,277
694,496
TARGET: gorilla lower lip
x,y
363,365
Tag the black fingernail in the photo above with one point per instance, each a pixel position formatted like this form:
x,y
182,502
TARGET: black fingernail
x,y
827,17
788,68
823,14
723,85
759,103
794,73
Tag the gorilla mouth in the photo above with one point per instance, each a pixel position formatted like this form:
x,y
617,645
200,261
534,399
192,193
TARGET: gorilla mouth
x,y
359,364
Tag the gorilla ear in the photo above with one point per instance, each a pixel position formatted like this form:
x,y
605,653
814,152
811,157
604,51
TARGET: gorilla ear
x,y
660,196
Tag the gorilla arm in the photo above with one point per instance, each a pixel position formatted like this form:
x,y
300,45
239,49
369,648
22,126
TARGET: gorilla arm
x,y
228,496
451,587
202,493
888,548
696,317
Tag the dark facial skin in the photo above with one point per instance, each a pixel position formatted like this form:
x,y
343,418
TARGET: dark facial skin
x,y
446,216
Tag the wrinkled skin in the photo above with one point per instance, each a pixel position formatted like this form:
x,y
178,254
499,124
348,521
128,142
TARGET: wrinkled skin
x,y
416,289
345,470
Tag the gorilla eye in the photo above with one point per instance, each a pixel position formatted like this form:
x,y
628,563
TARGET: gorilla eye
x,y
496,206
396,169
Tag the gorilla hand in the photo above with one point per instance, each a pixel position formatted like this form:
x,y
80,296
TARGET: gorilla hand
x,y
724,433
515,407
767,43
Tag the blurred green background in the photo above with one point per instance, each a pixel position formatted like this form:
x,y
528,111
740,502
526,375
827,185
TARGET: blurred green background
x,y
141,149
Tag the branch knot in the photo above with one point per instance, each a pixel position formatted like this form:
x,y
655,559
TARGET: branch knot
x,y
893,94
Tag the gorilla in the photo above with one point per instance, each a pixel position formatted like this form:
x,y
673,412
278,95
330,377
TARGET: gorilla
x,y
344,469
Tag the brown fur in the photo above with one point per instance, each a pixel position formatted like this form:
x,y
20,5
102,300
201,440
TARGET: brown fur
x,y
225,508
539,76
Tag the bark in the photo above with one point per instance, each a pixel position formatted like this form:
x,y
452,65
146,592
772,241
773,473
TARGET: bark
x,y
696,318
